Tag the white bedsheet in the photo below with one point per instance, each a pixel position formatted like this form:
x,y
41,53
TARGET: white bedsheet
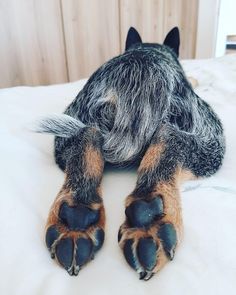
x,y
205,263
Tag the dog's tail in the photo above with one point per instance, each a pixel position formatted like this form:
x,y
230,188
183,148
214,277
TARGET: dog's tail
x,y
59,125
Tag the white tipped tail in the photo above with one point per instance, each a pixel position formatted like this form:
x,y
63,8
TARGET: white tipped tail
x,y
59,125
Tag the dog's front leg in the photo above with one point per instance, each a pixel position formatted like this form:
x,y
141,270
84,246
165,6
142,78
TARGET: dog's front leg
x,y
75,226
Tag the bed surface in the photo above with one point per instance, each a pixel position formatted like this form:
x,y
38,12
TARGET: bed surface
x,y
205,263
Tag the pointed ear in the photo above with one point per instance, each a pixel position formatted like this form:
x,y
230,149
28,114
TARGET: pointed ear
x,y
133,37
173,40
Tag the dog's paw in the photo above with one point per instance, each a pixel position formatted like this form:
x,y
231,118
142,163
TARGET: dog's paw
x,y
74,232
148,237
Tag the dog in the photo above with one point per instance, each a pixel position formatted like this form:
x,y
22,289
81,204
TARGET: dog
x,y
136,109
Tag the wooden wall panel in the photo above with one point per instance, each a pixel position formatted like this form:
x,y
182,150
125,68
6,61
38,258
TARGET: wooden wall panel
x,y
154,19
145,15
188,25
47,42
91,34
32,47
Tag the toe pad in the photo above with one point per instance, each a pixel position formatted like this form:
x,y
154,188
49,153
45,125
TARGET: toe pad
x,y
147,253
167,234
51,235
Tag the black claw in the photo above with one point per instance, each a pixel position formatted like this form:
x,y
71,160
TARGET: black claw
x,y
142,275
70,272
148,276
79,217
142,213
76,270
52,255
119,235
92,256
64,252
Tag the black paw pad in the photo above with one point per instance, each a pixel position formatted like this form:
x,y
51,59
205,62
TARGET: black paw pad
x,y
128,253
64,252
79,217
84,251
51,235
99,239
142,213
167,234
147,253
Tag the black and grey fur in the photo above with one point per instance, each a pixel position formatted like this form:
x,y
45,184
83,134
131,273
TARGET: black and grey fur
x,y
136,99
130,97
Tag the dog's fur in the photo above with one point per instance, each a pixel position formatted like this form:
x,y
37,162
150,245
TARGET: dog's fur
x,y
137,107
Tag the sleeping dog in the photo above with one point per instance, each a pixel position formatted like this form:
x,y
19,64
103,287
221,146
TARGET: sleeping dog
x,y
136,109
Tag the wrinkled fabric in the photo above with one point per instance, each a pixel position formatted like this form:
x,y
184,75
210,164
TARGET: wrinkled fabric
x,y
205,263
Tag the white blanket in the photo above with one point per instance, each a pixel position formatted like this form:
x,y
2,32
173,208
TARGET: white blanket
x,y
205,263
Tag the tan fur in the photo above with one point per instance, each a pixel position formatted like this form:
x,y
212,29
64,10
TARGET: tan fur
x,y
161,260
151,157
65,195
172,205
94,162
183,174
130,199
193,82
170,192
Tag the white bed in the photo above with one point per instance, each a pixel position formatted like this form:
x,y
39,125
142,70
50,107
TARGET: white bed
x,y
204,264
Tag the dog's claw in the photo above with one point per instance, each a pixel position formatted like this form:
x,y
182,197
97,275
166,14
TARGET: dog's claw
x,y
148,276
52,255
145,275
142,275
76,270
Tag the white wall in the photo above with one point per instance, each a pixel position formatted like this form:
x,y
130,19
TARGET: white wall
x,y
208,13
226,24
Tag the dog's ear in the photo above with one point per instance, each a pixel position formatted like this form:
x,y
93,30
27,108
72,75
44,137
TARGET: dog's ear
x,y
133,37
173,40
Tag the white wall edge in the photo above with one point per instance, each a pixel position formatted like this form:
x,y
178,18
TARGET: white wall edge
x,y
208,16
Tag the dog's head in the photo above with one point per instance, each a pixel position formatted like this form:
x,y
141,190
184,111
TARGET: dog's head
x,y
172,40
